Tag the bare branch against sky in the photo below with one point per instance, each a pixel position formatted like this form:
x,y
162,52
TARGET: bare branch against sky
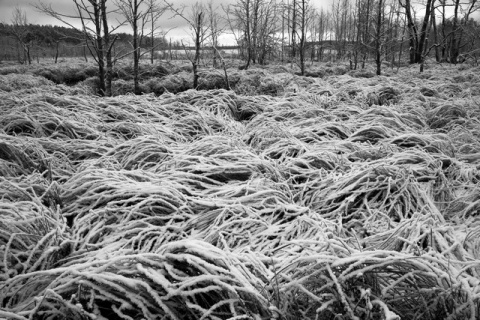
x,y
177,26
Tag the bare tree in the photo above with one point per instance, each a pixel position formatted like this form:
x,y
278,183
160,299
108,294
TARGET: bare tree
x,y
258,24
238,17
379,33
336,14
197,23
435,35
155,12
417,37
357,16
364,27
459,26
99,37
21,32
304,17
293,27
216,28
267,28
396,23
322,22
138,14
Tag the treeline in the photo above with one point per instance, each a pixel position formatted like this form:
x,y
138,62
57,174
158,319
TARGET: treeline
x,y
46,35
380,31
29,41
393,31
24,43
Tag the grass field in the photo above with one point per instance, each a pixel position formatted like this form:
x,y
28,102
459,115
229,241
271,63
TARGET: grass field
x,y
339,196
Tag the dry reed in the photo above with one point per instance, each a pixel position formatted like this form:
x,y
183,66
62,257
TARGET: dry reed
x,y
314,198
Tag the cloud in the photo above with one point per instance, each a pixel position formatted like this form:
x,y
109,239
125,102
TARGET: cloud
x,y
178,29
33,16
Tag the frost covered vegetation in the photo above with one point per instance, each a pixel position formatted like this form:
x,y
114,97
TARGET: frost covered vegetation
x,y
339,197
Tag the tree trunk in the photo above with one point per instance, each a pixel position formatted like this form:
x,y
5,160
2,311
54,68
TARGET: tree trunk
x,y
426,50
302,37
196,59
136,48
283,38
378,40
152,51
423,33
108,47
28,58
254,33
444,36
455,44
100,52
400,51
56,51
214,31
294,30
357,40
435,37
366,37
417,39
85,53
214,59
248,38
18,53
227,82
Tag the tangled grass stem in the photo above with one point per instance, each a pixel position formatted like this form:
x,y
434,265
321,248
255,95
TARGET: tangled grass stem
x,y
314,198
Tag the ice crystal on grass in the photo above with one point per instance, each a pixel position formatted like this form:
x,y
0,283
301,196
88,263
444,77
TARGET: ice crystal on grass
x,y
346,196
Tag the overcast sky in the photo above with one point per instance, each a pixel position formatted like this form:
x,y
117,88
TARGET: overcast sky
x,y
178,28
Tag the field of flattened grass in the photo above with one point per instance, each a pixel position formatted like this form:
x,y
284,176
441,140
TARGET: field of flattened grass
x,y
341,195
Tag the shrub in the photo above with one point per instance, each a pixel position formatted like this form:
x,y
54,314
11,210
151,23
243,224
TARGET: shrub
x,y
212,79
11,82
362,73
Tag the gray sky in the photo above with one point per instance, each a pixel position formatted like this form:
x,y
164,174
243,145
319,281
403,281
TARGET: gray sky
x,y
7,7
178,28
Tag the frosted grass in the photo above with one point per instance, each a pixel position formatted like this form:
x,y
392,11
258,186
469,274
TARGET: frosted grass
x,y
314,204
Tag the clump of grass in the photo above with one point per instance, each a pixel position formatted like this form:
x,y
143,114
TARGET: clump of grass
x,y
124,71
465,206
14,81
67,74
428,92
304,203
430,143
316,73
182,279
375,192
119,190
450,90
446,115
140,153
362,73
16,159
211,80
173,83
42,119
92,83
382,284
32,234
384,96
371,134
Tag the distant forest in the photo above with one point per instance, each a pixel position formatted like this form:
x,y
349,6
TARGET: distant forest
x,y
386,32
56,42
